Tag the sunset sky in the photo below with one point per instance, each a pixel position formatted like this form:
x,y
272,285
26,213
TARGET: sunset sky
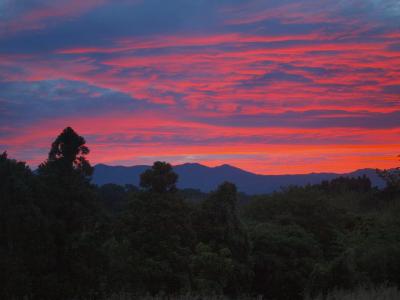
x,y
272,87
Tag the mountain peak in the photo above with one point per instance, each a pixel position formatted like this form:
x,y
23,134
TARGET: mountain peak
x,y
226,166
190,165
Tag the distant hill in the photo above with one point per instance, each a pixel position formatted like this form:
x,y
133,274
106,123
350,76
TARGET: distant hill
x,y
197,176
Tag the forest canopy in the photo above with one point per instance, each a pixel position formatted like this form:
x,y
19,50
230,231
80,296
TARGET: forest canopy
x,y
62,237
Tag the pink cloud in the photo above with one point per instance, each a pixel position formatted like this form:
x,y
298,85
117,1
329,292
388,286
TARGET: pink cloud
x,y
56,11
211,76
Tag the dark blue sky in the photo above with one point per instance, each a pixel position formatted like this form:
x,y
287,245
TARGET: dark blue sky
x,y
272,87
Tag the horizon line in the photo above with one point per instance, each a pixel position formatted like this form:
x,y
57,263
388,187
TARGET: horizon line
x,y
244,170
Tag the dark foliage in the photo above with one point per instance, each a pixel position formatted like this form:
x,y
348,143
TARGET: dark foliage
x,y
63,238
160,178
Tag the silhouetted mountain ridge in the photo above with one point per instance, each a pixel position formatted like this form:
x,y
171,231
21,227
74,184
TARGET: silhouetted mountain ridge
x,y
197,176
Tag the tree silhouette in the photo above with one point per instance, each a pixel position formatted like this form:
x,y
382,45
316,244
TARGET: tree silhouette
x,y
155,231
68,153
220,226
160,178
24,239
392,179
72,208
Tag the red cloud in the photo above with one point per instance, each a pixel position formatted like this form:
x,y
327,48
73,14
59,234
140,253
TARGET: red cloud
x,y
56,11
227,74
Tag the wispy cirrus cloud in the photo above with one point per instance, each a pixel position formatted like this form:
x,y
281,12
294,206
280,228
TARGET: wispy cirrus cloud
x,y
250,83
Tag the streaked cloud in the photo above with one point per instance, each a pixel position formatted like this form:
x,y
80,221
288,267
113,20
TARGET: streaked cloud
x,y
294,86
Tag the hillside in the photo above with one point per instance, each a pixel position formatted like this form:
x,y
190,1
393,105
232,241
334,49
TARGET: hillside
x,y
197,176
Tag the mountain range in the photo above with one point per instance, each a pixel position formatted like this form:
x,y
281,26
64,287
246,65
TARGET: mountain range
x,y
197,176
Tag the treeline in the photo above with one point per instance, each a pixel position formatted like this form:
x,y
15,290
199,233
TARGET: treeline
x,y
62,237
